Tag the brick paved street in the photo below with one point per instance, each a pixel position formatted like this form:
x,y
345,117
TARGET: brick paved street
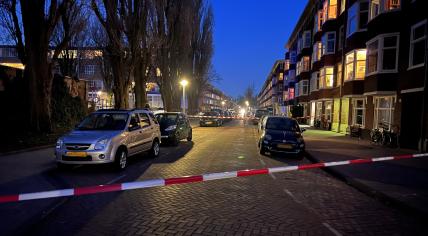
x,y
295,203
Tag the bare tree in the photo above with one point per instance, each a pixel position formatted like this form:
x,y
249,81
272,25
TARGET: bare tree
x,y
31,26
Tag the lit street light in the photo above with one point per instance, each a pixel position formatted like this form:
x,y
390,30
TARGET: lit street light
x,y
184,83
247,103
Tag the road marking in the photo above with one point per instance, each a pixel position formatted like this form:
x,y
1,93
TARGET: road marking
x,y
273,176
116,179
262,162
334,231
291,195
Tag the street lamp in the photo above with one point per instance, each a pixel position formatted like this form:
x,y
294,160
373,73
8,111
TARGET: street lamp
x,y
184,83
247,103
222,104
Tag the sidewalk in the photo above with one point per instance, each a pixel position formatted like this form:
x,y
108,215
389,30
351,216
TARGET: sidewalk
x,y
403,183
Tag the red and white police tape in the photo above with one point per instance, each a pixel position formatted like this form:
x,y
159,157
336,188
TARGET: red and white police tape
x,y
188,179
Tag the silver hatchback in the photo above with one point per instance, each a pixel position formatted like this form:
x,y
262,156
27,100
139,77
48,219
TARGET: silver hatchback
x,y
110,136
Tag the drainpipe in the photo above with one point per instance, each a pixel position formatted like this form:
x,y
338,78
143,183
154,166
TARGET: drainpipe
x,y
423,140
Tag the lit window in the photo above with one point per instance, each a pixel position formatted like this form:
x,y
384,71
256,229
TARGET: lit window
x,y
355,64
339,74
281,76
380,6
382,54
290,93
326,77
358,15
342,6
358,112
306,64
330,9
89,69
417,45
287,64
329,43
384,111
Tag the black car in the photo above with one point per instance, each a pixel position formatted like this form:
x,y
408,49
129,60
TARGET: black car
x,y
174,127
258,115
281,135
212,118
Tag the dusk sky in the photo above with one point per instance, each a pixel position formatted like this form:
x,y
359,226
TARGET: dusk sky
x,y
249,36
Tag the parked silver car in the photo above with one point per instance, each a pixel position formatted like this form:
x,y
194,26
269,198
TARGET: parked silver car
x,y
110,136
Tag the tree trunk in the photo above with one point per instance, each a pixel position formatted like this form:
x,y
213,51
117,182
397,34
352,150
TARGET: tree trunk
x,y
39,76
140,86
120,84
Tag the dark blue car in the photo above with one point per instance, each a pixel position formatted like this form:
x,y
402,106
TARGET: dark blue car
x,y
281,135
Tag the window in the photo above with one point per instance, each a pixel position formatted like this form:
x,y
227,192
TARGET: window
x,y
290,93
89,69
144,120
299,44
382,54
287,64
318,111
293,57
330,9
355,64
417,45
134,122
281,76
339,74
8,52
381,6
314,81
342,6
303,87
358,112
329,43
384,111
306,64
341,37
328,111
317,52
307,39
326,77
358,15
296,89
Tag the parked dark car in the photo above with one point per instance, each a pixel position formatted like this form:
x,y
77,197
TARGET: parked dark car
x,y
258,115
281,135
212,119
174,127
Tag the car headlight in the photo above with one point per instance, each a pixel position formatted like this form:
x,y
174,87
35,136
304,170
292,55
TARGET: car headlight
x,y
59,144
101,144
302,145
171,127
268,137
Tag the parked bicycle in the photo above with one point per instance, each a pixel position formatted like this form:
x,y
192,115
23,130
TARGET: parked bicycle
x,y
385,136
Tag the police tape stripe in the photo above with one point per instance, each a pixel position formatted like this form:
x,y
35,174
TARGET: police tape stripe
x,y
189,179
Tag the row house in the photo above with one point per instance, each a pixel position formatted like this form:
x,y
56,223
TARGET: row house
x,y
271,95
361,63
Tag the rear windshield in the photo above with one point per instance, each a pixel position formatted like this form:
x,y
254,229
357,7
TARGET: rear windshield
x,y
279,123
167,119
104,121
260,113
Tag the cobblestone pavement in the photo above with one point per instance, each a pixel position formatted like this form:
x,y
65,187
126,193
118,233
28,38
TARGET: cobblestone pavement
x,y
294,203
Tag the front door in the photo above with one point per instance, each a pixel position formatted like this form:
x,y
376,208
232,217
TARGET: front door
x,y
147,131
134,139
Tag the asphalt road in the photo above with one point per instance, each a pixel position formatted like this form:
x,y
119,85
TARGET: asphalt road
x,y
295,203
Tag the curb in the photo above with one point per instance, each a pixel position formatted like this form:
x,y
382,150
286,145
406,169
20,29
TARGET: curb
x,y
36,148
369,191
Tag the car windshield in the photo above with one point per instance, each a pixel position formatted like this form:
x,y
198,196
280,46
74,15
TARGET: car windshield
x,y
211,113
104,121
167,119
279,123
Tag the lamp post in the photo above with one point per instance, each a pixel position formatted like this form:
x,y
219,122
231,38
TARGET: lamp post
x,y
184,83
222,104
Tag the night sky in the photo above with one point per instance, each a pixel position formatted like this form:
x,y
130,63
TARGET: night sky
x,y
249,36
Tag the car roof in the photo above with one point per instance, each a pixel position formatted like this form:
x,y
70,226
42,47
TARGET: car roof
x,y
283,117
171,113
122,111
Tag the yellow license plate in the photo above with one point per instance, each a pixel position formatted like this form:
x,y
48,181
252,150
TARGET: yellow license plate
x,y
285,146
76,154
208,122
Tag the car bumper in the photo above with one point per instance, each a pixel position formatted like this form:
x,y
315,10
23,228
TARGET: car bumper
x,y
92,157
275,147
209,123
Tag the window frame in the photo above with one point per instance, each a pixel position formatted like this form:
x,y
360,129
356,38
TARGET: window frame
x,y
325,41
380,11
354,111
412,42
323,77
391,109
354,65
357,18
314,84
380,53
305,36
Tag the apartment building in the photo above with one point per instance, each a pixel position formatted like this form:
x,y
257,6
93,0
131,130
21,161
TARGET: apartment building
x,y
271,95
212,98
361,63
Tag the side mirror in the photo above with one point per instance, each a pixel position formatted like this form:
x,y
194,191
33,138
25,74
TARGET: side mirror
x,y
132,128
303,130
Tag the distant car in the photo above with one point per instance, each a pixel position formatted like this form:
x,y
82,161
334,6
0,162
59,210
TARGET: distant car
x,y
212,119
174,127
281,135
258,115
109,136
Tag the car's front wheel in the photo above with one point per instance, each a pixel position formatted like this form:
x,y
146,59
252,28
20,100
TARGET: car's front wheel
x,y
121,159
262,149
155,150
